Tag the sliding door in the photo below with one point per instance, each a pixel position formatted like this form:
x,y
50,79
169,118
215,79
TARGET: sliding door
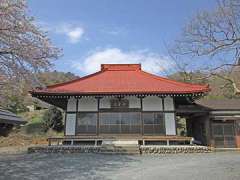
x,y
120,122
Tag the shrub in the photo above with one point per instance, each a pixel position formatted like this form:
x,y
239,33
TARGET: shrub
x,y
53,119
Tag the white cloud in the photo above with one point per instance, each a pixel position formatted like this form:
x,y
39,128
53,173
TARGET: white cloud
x,y
151,62
73,33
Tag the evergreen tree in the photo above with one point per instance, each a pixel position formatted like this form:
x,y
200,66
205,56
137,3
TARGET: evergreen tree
x,y
53,119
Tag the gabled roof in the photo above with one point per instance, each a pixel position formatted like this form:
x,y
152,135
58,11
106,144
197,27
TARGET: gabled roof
x,y
122,79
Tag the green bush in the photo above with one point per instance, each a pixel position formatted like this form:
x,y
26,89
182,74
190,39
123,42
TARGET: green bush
x,y
53,119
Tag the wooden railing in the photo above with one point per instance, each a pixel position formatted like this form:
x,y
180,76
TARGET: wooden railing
x,y
97,140
167,139
60,140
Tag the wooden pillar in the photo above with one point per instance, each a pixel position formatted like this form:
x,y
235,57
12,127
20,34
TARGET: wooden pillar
x,y
49,142
208,130
141,119
189,127
98,101
211,139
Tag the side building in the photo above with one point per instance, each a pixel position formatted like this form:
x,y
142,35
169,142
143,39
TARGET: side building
x,y
224,121
8,120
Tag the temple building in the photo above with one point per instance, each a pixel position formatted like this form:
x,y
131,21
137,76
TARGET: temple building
x,y
123,101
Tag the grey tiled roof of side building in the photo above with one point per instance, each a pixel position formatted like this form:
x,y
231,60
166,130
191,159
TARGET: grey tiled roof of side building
x,y
10,118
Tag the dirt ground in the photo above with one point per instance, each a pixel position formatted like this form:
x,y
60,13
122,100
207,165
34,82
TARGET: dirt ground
x,y
209,166
21,140
18,143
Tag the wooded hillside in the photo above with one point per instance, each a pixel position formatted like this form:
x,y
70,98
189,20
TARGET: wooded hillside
x,y
220,88
16,100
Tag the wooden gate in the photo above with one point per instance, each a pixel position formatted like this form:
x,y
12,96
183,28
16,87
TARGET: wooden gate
x,y
224,134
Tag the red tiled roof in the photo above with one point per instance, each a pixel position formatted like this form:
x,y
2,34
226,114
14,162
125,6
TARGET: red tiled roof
x,y
122,79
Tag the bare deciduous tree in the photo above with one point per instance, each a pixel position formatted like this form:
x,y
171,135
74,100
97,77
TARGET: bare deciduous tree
x,y
215,34
24,48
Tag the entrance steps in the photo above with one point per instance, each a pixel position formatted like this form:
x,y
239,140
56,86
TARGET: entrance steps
x,y
120,147
120,142
110,149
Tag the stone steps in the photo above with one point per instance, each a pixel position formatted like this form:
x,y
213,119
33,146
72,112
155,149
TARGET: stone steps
x,y
125,149
120,147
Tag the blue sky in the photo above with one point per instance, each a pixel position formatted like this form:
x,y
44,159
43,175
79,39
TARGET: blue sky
x,y
92,32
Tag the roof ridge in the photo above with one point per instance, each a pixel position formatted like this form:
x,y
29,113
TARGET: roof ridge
x,y
120,67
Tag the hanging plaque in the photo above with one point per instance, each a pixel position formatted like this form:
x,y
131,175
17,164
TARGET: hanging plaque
x,y
119,103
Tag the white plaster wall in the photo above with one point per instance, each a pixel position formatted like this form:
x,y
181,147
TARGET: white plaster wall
x,y
105,102
170,123
152,103
87,104
72,104
134,102
168,104
70,124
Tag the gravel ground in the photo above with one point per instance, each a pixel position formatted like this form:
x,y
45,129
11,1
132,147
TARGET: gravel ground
x,y
214,166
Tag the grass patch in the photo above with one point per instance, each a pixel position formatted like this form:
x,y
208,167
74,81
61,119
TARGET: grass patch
x,y
34,125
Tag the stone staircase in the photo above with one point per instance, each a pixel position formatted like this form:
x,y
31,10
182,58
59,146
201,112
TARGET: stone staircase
x,y
120,147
